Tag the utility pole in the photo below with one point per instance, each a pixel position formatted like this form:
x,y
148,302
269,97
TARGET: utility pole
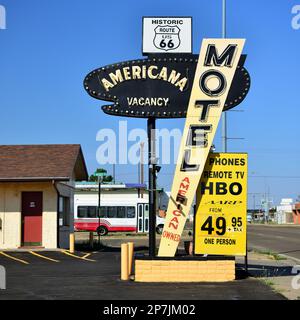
x,y
114,173
267,204
142,166
224,115
139,172
266,208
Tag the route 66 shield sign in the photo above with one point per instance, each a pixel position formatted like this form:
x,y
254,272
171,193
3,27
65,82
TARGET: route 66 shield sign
x,y
166,37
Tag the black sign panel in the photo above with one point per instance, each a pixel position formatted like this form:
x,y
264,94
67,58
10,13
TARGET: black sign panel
x,y
158,87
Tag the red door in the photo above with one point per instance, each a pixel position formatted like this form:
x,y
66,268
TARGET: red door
x,y
32,210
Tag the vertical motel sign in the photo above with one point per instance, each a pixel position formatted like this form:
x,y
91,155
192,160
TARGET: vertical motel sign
x,y
217,63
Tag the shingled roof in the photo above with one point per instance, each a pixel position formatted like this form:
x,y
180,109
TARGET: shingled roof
x,y
42,162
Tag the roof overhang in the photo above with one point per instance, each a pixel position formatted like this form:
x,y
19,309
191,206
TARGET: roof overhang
x,y
34,179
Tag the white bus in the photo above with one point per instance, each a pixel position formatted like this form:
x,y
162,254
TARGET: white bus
x,y
119,212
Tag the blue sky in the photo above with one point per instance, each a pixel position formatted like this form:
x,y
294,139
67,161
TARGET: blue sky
x,y
50,45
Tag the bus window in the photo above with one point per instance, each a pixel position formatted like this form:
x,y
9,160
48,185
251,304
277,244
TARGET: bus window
x,y
130,212
92,212
103,212
140,227
121,212
82,212
111,212
146,224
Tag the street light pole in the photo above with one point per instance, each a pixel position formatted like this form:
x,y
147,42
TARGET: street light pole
x,y
100,176
224,19
114,173
224,115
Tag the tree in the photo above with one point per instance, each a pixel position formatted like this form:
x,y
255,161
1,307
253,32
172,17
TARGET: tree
x,y
105,178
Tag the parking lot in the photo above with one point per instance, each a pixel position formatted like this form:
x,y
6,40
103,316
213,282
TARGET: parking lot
x,y
84,275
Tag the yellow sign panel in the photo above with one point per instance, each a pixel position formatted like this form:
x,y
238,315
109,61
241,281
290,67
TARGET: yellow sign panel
x,y
221,215
215,70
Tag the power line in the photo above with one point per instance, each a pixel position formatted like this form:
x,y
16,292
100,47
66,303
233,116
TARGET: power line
x,y
276,177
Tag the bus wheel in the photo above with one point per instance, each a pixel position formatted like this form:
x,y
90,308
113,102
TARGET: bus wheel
x,y
159,229
102,231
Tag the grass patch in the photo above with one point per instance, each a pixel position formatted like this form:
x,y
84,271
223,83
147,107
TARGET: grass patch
x,y
268,282
278,256
271,255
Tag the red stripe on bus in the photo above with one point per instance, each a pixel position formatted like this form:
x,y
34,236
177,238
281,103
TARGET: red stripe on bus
x,y
92,226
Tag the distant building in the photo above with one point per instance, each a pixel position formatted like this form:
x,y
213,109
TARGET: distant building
x,y
37,193
284,212
296,213
256,215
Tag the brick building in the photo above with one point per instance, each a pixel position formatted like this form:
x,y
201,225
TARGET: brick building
x,y
296,213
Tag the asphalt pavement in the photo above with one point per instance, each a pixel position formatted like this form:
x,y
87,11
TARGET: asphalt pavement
x,y
50,275
87,276
278,239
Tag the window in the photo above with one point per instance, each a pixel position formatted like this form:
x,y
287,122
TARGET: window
x,y
87,212
92,212
111,212
103,212
64,211
130,212
82,212
140,211
121,212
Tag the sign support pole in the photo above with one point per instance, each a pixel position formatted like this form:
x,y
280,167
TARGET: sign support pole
x,y
246,257
152,185
99,206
